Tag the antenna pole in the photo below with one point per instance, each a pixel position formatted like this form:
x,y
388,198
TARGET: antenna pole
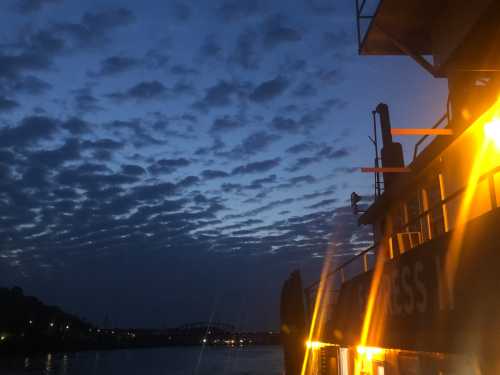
x,y
375,144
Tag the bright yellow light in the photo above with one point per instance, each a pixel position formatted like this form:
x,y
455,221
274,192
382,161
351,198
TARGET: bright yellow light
x,y
314,345
363,364
492,131
369,350
319,314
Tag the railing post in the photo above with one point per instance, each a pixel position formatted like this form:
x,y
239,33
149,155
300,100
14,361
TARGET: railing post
x,y
365,262
444,207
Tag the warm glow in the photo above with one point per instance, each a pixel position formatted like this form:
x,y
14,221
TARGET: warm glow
x,y
375,309
492,131
364,361
314,345
486,133
369,351
319,315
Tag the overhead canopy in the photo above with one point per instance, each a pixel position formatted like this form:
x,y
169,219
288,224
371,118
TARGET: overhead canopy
x,y
458,34
410,21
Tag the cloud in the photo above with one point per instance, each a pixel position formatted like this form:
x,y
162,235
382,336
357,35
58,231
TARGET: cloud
x,y
115,65
336,40
277,33
76,126
347,170
321,7
85,101
57,157
225,123
253,144
308,179
133,170
181,11
305,90
153,192
233,10
215,148
270,206
155,60
218,95
103,144
323,203
92,179
188,182
309,118
260,182
31,130
256,167
302,147
329,76
245,52
94,28
147,90
182,88
183,70
287,125
168,165
269,90
135,131
328,152
7,105
30,85
318,194
210,174
31,6
11,66
325,153
210,49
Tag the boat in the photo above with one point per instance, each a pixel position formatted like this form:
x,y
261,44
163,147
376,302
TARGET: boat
x,y
425,298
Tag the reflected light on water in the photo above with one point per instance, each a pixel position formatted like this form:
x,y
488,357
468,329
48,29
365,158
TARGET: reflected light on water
x,y
48,363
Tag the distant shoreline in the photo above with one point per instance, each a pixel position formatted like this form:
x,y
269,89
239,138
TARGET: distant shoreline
x,y
16,351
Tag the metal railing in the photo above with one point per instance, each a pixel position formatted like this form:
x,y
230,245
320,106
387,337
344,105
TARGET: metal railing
x,y
372,250
445,119
365,12
426,215
341,269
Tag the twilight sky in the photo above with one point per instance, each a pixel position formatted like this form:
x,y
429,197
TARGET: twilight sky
x,y
168,161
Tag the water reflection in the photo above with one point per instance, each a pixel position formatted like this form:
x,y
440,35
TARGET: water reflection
x,y
171,361
48,364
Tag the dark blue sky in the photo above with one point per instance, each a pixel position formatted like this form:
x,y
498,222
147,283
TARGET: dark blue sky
x,y
172,161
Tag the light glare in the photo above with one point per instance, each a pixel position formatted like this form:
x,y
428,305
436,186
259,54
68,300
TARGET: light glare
x,y
492,131
313,345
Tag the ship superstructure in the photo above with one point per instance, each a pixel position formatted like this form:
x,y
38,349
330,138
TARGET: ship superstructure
x,y
425,299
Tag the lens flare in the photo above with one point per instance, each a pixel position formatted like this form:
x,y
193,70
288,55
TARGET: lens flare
x,y
486,132
319,315
315,345
492,131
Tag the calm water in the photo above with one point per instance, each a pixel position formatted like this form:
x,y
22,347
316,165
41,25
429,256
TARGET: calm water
x,y
164,361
